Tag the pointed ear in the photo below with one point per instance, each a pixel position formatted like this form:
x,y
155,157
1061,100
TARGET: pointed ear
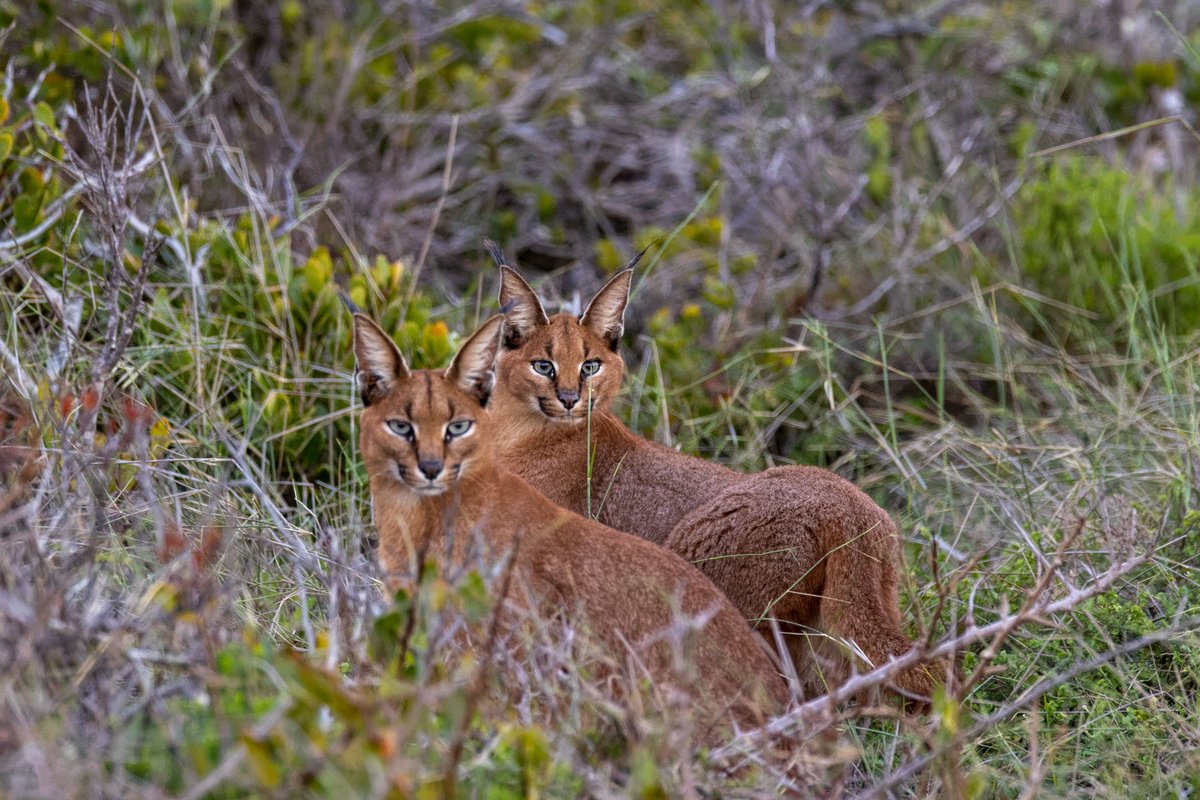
x,y
605,315
474,366
523,310
380,364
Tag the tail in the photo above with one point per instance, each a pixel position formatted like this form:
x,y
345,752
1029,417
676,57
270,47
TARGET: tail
x,y
860,603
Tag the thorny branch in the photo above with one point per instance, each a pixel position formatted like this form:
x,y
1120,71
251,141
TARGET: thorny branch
x,y
1037,609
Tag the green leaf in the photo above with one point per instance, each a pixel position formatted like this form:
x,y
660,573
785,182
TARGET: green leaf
x,y
263,763
318,269
384,643
975,785
44,114
532,753
608,256
878,135
25,211
325,688
644,778
6,144
473,594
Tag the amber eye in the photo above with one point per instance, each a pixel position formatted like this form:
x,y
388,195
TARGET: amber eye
x,y
457,428
543,367
400,428
590,367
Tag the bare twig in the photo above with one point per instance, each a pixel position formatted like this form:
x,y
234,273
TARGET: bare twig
x,y
1035,611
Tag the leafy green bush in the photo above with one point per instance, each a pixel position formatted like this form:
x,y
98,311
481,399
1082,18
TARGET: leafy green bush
x,y
1112,243
301,729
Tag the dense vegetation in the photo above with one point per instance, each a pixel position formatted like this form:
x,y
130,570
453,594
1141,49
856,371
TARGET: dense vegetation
x,y
948,249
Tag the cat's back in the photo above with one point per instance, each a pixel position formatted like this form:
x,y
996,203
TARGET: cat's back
x,y
609,473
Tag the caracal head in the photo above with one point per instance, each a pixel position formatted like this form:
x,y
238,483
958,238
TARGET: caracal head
x,y
550,368
424,429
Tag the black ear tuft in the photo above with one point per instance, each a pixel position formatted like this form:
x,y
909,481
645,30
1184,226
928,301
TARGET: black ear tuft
x,y
343,292
496,253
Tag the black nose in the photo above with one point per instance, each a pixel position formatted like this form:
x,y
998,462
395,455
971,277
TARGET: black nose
x,y
430,469
568,397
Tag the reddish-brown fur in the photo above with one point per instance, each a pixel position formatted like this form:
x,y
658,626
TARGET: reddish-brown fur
x,y
799,544
623,587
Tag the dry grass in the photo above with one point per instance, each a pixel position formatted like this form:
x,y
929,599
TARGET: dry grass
x,y
188,600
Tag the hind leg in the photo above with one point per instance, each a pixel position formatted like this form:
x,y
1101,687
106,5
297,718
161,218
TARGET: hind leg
x,y
808,548
768,568
830,624
835,609
860,603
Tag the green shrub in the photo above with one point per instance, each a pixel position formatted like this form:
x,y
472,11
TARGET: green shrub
x,y
1112,243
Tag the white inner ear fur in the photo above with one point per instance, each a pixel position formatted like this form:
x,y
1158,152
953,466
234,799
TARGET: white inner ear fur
x,y
526,312
476,380
473,368
375,354
377,359
606,312
525,318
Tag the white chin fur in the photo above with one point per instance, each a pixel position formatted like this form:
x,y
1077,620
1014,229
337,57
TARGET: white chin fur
x,y
564,419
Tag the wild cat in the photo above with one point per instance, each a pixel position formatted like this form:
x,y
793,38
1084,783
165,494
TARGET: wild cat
x,y
427,444
799,544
